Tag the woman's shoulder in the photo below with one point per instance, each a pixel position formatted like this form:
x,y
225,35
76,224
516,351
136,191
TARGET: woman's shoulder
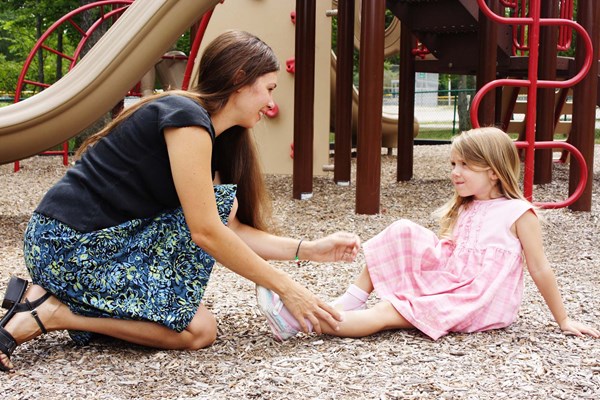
x,y
180,100
176,109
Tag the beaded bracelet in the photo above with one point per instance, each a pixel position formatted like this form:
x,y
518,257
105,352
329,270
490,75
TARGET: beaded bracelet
x,y
296,259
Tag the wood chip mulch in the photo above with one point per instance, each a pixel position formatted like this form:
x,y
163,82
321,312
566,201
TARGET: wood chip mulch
x,y
531,359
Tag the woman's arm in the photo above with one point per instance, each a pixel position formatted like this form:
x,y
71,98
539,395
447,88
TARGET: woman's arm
x,y
190,151
529,232
340,246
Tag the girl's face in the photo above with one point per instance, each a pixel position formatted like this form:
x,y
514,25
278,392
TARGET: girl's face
x,y
469,181
253,101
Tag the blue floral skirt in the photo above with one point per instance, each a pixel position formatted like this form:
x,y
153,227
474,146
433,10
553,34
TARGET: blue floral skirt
x,y
143,269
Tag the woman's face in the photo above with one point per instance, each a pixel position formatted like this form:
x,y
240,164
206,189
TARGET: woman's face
x,y
253,101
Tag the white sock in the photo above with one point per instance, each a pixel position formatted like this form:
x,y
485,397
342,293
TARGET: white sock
x,y
353,299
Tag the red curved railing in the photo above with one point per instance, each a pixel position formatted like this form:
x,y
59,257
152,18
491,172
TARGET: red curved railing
x,y
532,83
105,16
521,7
119,6
41,45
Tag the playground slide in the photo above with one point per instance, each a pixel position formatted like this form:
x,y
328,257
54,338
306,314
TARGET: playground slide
x,y
120,58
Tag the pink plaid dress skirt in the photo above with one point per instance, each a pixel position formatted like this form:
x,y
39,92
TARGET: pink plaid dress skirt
x,y
471,283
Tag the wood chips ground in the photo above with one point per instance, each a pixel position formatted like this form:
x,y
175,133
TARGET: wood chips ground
x,y
529,360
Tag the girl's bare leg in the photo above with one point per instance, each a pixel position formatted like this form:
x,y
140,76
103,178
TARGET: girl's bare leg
x,y
383,316
363,280
201,332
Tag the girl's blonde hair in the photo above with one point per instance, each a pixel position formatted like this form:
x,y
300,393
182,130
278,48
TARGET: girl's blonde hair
x,y
483,148
231,61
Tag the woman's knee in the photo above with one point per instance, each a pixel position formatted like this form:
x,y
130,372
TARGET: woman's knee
x,y
202,331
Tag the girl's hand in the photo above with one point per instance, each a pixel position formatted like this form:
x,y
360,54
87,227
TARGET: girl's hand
x,y
570,327
340,246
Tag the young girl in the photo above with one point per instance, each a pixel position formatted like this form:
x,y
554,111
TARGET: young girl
x,y
470,279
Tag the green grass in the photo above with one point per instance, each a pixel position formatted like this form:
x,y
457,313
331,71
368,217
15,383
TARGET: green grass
x,y
445,134
435,134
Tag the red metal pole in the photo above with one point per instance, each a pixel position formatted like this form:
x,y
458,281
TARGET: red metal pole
x,y
532,75
195,48
546,96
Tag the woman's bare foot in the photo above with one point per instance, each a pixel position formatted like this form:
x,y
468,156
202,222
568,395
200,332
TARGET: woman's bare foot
x,y
23,326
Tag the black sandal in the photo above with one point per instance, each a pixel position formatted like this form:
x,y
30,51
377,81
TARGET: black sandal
x,y
12,301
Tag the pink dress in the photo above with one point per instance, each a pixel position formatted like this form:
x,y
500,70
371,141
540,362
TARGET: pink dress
x,y
469,284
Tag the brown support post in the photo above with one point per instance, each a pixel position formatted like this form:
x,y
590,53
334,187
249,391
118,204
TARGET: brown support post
x,y
584,104
498,110
343,93
406,106
370,102
486,71
304,96
545,96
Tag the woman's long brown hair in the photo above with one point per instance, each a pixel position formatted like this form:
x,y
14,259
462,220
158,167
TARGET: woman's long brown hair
x,y
231,61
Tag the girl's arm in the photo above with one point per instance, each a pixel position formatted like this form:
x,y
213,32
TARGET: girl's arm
x,y
190,151
529,232
340,246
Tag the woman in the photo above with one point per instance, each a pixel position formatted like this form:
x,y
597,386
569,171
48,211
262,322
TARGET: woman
x,y
124,244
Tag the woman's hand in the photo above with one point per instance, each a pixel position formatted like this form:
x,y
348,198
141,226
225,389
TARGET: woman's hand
x,y
340,246
570,327
304,305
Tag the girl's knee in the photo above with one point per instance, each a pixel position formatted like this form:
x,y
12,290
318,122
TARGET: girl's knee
x,y
390,317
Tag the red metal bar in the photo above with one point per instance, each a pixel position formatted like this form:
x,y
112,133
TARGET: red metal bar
x,y
44,85
86,35
582,166
532,83
546,96
76,26
520,42
58,53
48,32
564,36
40,45
195,48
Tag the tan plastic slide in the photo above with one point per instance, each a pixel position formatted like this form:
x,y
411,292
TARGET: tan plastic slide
x,y
120,58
